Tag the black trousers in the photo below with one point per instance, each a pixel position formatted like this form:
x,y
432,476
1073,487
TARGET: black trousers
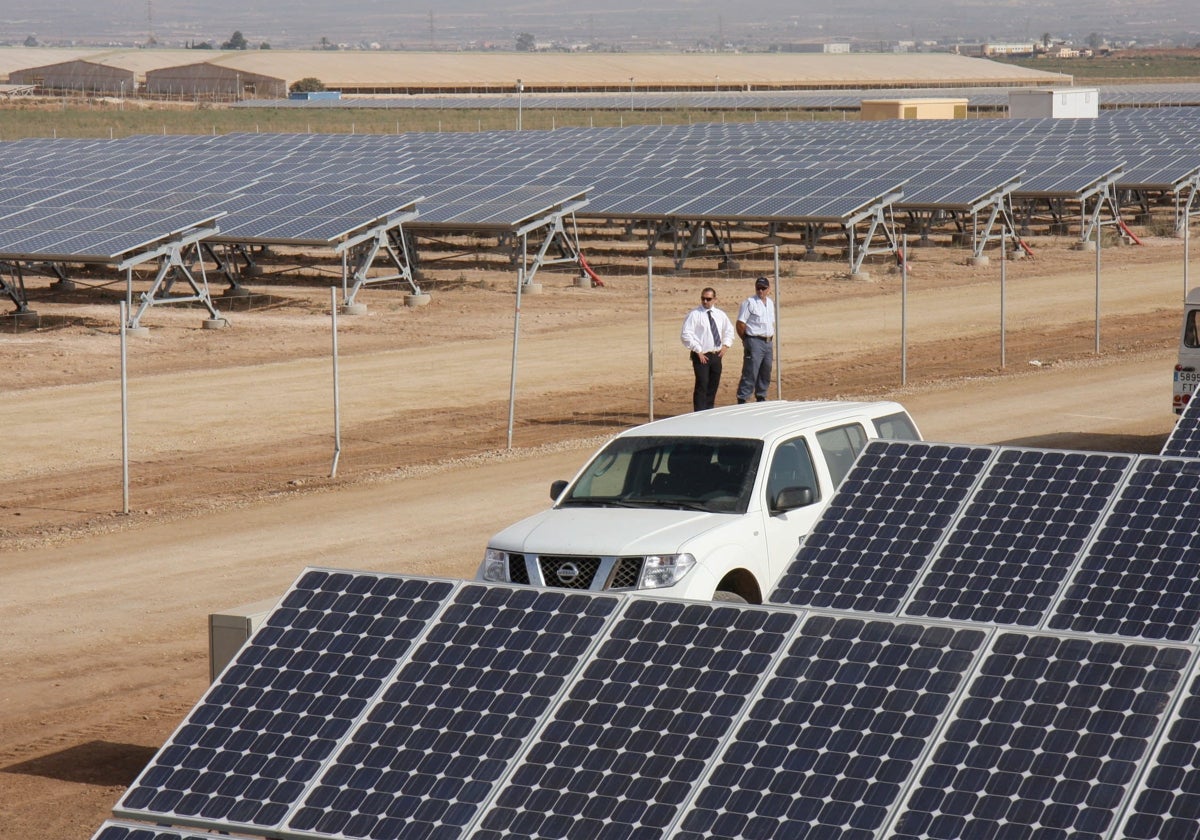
x,y
708,379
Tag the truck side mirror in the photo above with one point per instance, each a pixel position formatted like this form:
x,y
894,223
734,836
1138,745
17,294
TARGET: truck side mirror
x,y
556,489
790,498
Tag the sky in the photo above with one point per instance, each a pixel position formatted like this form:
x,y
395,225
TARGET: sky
x,y
449,24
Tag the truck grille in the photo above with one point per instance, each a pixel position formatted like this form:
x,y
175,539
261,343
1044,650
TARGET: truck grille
x,y
627,574
569,572
517,572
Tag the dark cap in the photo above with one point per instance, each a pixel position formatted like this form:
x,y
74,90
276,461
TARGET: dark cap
x,y
762,283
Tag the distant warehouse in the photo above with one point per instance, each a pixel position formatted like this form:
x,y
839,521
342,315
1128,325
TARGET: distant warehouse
x,y
88,77
206,81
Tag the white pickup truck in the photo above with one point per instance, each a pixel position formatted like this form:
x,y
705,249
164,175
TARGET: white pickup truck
x,y
704,505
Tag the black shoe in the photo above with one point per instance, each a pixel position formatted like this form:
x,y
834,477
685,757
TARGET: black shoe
x,y
760,399
741,401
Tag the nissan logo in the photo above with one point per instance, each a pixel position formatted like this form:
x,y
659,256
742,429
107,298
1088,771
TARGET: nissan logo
x,y
567,572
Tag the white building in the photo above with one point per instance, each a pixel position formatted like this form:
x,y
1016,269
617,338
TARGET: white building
x,y
1060,103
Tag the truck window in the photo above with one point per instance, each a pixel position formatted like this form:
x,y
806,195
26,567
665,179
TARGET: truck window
x,y
840,446
898,426
791,466
1191,334
701,473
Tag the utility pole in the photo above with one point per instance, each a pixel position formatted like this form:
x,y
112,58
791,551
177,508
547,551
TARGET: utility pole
x,y
431,30
150,23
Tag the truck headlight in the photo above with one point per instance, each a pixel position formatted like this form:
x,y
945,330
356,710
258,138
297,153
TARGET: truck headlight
x,y
661,570
495,565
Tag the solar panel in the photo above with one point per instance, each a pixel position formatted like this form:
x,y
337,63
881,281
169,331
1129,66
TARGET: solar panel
x,y
839,728
1141,574
263,730
1184,440
1167,803
1011,549
118,830
622,752
882,525
1046,741
433,747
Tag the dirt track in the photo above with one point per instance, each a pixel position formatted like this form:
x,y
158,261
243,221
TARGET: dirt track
x,y
103,645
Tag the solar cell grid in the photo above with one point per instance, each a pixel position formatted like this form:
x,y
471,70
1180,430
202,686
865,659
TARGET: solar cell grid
x,y
1141,574
1167,804
1184,440
1011,548
1046,741
263,730
839,727
886,519
621,753
433,747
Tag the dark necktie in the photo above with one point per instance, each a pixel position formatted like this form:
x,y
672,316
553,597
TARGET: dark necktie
x,y
716,332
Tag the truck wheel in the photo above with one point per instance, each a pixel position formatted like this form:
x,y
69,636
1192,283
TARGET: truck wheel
x,y
729,597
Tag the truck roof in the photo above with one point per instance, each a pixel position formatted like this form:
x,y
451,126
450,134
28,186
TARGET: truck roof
x,y
762,420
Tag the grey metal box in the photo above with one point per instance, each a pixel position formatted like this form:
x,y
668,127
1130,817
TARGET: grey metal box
x,y
229,630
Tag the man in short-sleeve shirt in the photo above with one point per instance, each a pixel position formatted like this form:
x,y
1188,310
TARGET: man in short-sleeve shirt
x,y
756,328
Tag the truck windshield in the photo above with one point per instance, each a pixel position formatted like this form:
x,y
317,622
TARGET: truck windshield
x,y
691,473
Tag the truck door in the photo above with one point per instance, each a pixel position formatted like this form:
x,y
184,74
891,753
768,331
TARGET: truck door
x,y
791,466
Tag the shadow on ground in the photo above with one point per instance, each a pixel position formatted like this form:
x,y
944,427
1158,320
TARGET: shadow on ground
x,y
1137,444
94,763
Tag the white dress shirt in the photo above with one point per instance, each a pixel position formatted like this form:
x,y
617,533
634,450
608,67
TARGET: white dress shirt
x,y
697,334
758,316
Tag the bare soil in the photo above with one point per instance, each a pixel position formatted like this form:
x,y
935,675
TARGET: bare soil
x,y
103,642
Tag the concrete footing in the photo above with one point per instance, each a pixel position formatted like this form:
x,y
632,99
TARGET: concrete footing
x,y
214,323
981,260
353,309
416,300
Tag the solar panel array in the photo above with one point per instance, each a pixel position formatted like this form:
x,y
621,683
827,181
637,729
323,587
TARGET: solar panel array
x,y
1146,95
1085,542
310,188
920,672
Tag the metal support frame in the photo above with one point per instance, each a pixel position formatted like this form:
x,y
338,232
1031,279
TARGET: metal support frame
x,y
876,221
361,252
226,258
172,268
556,234
1091,222
14,289
1001,209
1185,205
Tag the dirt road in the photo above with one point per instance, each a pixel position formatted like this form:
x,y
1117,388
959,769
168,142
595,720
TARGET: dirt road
x,y
103,638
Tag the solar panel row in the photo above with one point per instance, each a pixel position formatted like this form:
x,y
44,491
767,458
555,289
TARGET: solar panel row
x,y
796,171
1085,542
1147,95
379,706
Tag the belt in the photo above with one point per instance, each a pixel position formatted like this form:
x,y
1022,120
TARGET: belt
x,y
761,337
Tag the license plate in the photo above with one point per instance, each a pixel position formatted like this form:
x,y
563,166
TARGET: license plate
x,y
1187,377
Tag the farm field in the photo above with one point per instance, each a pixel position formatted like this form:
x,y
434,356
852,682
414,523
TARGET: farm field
x,y
103,649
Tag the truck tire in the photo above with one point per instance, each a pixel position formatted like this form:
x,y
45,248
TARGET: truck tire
x,y
729,597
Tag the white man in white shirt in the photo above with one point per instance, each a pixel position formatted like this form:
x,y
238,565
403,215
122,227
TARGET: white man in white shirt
x,y
707,333
756,328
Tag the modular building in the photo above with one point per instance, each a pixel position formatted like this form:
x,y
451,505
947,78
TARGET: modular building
x,y
913,109
1058,103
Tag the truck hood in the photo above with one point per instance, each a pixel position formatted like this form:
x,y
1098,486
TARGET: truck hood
x,y
608,531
